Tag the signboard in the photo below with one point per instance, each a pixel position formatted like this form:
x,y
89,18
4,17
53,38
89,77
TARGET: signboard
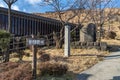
x,y
34,41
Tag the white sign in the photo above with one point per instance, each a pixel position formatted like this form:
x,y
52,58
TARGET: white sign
x,y
31,41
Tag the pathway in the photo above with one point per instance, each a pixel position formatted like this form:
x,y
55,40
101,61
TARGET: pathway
x,y
109,69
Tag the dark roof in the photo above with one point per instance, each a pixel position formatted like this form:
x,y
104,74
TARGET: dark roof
x,y
32,15
29,15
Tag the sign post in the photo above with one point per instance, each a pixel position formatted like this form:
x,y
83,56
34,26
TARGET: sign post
x,y
34,62
34,42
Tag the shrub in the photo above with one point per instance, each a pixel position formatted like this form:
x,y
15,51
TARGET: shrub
x,y
44,57
4,40
40,52
52,69
111,35
27,54
14,55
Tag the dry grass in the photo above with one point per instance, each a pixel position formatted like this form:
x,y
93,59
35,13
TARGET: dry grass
x,y
80,59
112,41
113,45
25,58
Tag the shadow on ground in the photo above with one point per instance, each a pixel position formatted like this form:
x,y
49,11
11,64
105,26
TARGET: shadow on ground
x,y
83,76
116,78
112,57
114,48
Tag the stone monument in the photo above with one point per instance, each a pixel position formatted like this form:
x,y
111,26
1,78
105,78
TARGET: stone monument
x,y
88,34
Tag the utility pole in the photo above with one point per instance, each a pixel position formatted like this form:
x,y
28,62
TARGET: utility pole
x,y
9,3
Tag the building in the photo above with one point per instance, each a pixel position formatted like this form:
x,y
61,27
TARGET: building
x,y
27,24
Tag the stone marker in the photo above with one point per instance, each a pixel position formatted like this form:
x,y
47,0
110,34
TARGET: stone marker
x,y
67,41
88,34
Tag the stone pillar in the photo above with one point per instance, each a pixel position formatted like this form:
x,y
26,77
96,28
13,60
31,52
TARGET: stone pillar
x,y
67,41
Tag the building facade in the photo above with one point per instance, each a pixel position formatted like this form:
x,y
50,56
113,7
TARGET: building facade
x,y
27,24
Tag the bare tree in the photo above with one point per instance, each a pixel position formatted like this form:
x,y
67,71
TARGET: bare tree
x,y
112,15
59,6
9,3
98,14
93,11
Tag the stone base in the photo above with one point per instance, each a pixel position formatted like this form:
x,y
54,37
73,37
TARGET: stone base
x,y
89,45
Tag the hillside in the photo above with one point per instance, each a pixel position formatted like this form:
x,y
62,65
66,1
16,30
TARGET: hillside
x,y
113,13
110,17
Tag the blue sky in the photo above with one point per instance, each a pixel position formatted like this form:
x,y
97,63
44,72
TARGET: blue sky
x,y
31,6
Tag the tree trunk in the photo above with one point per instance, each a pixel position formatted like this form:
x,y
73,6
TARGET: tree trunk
x,y
9,18
58,40
6,53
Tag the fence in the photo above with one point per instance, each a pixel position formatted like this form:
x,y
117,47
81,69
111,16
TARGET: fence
x,y
18,43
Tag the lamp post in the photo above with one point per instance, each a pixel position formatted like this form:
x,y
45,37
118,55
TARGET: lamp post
x,y
9,3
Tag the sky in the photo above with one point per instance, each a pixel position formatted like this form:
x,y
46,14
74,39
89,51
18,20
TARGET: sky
x,y
33,6
29,6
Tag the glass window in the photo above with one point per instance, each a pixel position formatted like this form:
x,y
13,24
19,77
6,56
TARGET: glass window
x,y
1,21
6,22
15,25
12,25
29,31
21,27
33,28
25,28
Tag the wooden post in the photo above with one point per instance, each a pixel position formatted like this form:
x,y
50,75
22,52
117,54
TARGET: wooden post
x,y
7,55
34,62
34,42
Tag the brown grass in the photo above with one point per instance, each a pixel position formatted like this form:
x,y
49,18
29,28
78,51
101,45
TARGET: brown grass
x,y
112,41
15,71
80,59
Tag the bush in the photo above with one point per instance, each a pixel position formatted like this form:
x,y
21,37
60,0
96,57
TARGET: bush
x,y
111,35
4,40
40,52
52,69
14,55
27,54
44,57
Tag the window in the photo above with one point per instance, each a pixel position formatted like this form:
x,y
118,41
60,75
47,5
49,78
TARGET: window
x,y
12,25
